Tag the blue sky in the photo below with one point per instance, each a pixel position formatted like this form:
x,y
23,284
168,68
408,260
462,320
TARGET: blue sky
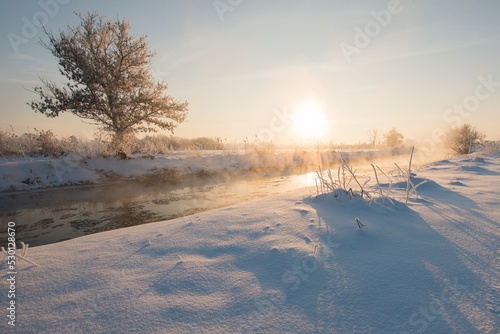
x,y
247,67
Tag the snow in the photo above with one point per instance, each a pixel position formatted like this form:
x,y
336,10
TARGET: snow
x,y
291,263
28,173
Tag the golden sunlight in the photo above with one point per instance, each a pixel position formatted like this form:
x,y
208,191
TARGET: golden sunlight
x,y
309,121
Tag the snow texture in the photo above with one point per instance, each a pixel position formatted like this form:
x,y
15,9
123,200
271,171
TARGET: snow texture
x,y
28,173
291,263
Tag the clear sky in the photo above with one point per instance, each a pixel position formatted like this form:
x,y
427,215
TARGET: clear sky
x,y
284,70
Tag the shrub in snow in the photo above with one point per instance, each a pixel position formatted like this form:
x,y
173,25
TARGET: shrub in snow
x,y
464,139
346,179
345,175
490,146
258,147
393,138
358,221
24,253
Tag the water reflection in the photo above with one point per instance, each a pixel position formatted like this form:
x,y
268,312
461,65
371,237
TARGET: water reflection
x,y
53,215
49,216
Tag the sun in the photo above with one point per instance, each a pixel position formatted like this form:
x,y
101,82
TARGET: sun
x,y
309,121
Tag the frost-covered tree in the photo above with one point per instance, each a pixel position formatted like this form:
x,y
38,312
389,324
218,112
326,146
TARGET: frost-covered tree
x,y
373,137
463,139
393,138
108,81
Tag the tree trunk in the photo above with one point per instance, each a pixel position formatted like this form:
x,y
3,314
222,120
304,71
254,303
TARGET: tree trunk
x,y
121,143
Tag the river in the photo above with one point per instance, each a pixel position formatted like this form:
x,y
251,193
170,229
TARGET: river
x,y
57,214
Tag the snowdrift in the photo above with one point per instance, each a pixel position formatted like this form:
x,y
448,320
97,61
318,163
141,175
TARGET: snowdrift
x,y
293,263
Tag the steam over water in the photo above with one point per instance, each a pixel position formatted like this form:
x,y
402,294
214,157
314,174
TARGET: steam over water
x,y
53,215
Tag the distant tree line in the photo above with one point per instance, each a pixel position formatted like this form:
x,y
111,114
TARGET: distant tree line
x,y
463,139
392,138
47,144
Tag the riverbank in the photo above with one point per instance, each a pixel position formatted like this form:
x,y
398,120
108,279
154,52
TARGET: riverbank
x,y
20,174
294,262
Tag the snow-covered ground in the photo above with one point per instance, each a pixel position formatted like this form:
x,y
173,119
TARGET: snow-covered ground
x,y
28,173
292,263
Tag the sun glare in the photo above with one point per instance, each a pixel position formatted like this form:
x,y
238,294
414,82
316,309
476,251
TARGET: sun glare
x,y
309,121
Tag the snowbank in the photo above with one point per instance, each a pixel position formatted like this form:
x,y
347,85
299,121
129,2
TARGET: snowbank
x,y
27,173
293,263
